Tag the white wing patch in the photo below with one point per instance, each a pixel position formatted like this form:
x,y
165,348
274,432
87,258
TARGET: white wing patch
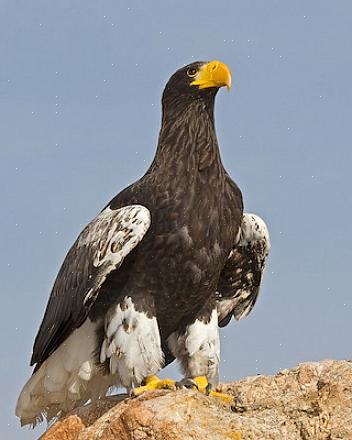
x,y
131,344
253,229
241,278
115,234
127,227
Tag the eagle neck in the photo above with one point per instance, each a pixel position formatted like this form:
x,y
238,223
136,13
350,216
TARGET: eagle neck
x,y
187,141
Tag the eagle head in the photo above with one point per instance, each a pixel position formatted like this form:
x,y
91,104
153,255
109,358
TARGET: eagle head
x,y
201,79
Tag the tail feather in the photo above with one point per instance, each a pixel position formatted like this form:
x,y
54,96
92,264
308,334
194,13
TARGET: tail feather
x,y
68,378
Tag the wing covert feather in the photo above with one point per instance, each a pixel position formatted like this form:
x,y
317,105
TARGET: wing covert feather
x,y
241,278
99,249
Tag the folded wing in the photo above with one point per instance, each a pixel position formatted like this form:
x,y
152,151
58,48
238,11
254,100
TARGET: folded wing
x,y
99,249
241,278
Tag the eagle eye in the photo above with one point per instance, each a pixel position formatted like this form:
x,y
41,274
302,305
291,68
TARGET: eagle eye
x,y
192,71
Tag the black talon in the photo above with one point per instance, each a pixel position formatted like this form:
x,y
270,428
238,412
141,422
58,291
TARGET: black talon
x,y
186,382
208,389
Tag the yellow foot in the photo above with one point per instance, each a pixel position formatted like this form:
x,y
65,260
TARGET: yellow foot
x,y
201,384
151,383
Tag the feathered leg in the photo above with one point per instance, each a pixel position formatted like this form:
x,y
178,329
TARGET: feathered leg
x,y
197,348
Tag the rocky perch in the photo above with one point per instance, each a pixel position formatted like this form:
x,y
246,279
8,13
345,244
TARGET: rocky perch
x,y
311,401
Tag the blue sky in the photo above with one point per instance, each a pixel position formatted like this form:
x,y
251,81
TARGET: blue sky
x,y
80,86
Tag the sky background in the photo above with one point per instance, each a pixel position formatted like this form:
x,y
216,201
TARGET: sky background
x,y
80,87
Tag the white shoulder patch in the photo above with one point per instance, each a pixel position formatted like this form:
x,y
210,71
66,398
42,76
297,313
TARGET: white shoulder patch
x,y
242,276
127,227
113,234
112,226
253,229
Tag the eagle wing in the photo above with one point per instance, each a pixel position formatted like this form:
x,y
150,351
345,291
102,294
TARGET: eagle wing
x,y
241,277
99,249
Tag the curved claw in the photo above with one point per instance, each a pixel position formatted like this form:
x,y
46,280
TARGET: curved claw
x,y
199,383
187,382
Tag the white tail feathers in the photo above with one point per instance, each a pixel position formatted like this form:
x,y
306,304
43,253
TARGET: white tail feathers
x,y
61,382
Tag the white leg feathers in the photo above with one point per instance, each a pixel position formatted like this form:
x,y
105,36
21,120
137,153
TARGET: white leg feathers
x,y
131,344
198,347
72,374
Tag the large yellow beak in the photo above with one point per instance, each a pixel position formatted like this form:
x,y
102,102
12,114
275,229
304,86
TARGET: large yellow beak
x,y
213,74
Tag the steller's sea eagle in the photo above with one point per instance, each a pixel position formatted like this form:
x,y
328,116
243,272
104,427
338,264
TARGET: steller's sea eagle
x,y
152,277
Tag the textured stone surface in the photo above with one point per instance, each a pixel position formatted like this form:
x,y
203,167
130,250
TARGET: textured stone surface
x,y
311,401
67,429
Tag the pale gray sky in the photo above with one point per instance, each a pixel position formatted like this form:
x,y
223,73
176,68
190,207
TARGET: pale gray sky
x,y
80,86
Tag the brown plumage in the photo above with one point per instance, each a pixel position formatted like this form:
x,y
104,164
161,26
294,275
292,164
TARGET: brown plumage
x,y
146,277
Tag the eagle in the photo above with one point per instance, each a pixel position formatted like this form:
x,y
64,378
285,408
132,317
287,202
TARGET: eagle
x,y
153,276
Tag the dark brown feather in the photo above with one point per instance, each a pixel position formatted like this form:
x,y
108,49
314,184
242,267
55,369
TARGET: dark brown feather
x,y
196,212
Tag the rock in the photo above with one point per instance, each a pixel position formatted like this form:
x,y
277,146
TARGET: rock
x,y
311,401
67,429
